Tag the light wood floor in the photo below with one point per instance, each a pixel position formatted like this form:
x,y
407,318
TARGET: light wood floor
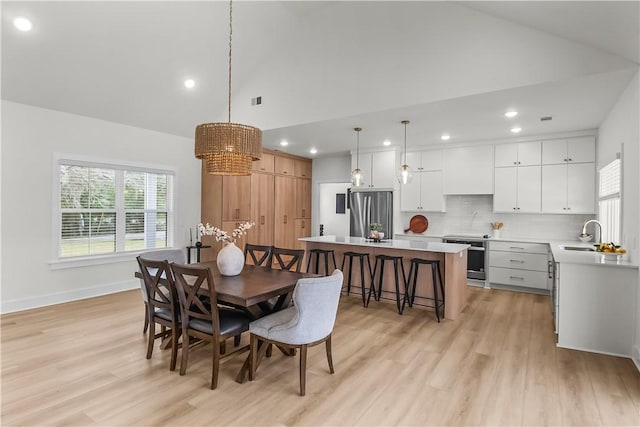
x,y
83,363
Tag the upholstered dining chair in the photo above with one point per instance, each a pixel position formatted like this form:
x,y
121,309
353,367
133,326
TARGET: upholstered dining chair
x,y
171,255
307,323
203,321
260,255
162,306
288,259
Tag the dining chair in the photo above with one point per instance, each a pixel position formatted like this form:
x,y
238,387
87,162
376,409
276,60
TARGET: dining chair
x,y
260,255
202,321
308,322
288,259
162,306
171,255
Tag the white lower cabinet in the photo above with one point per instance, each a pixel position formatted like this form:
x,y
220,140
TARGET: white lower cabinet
x,y
519,264
423,193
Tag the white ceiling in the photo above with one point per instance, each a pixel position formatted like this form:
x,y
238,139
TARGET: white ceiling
x,y
325,67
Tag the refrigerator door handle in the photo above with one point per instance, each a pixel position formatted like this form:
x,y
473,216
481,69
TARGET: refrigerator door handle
x,y
367,210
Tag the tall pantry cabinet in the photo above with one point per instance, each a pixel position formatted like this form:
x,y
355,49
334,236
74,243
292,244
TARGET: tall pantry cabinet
x,y
277,197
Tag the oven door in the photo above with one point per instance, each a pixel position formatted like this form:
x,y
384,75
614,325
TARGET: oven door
x,y
475,257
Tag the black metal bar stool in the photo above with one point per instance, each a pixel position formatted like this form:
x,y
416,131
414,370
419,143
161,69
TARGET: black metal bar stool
x,y
326,253
361,256
435,266
396,260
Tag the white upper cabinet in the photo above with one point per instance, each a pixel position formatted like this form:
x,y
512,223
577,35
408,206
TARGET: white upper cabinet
x,y
570,150
468,170
423,193
517,189
520,154
424,160
378,168
568,189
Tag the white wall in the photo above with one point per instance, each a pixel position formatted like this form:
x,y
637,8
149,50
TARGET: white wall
x,y
622,126
334,223
30,137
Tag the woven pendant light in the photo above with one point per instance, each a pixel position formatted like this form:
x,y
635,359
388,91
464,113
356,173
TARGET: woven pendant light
x,y
228,148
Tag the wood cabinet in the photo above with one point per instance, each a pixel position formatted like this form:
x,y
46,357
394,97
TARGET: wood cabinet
x,y
517,189
468,170
284,227
271,197
236,191
378,168
262,208
284,165
303,198
302,229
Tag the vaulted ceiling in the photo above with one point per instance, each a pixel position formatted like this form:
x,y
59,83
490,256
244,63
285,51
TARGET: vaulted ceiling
x,y
322,68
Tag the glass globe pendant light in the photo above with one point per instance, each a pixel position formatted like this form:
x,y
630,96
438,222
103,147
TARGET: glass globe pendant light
x,y
404,174
357,179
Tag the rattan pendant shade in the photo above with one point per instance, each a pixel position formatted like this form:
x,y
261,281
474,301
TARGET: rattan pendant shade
x,y
228,148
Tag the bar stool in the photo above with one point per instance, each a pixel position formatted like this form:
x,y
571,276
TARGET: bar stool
x,y
326,253
361,256
396,260
435,266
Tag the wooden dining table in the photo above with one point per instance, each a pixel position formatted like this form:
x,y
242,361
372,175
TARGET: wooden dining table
x,y
251,290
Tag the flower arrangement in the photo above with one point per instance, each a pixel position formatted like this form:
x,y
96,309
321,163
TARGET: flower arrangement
x,y
375,226
222,235
496,225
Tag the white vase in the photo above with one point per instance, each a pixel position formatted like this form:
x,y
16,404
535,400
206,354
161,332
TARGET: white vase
x,y
496,234
230,260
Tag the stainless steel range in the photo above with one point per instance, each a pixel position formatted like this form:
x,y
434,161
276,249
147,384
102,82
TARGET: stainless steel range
x,y
476,254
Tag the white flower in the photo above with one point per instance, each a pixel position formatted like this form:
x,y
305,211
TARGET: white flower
x,y
219,234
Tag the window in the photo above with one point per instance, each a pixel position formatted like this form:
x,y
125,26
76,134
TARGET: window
x,y
609,201
108,209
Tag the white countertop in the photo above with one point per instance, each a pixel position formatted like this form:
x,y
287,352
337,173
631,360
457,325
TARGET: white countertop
x,y
411,245
559,255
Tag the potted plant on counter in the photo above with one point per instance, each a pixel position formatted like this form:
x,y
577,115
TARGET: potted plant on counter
x,y
375,231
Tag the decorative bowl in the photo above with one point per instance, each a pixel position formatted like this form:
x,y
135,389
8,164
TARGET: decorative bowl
x,y
611,257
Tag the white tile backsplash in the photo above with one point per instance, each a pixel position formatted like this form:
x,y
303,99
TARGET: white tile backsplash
x,y
473,215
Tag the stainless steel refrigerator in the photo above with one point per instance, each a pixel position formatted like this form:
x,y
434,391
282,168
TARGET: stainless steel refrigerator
x,y
371,207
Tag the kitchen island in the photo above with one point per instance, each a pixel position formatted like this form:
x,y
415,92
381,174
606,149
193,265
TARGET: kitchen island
x,y
452,257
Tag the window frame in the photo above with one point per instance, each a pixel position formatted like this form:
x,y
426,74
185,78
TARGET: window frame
x,y
613,196
120,255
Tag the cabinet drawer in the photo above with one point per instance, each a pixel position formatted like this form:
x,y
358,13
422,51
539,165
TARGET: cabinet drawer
x,y
513,277
534,248
517,260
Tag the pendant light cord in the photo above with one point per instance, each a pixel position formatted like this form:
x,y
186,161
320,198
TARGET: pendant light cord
x,y
405,143
358,150
230,34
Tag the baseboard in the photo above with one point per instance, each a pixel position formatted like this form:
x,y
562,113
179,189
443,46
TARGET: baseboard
x,y
21,304
590,350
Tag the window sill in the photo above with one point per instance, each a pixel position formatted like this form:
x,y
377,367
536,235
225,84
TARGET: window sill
x,y
64,263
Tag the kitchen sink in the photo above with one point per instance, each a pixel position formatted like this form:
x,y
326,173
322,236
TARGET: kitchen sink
x,y
578,248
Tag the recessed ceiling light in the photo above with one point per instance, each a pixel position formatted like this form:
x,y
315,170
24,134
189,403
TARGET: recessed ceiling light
x,y
386,142
511,114
445,137
313,151
284,143
22,23
516,129
189,83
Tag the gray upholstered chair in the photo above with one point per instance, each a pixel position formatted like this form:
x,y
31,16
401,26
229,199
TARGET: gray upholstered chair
x,y
307,323
171,255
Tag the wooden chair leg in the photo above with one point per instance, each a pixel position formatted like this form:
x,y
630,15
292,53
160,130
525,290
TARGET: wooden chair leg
x,y
269,350
174,348
223,347
216,365
146,317
329,357
236,340
303,369
185,351
152,336
253,360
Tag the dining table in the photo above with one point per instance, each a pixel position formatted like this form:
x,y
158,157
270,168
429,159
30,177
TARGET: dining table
x,y
252,290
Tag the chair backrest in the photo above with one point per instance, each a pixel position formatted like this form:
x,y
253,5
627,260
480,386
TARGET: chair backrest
x,y
190,283
288,258
260,255
316,300
158,283
171,255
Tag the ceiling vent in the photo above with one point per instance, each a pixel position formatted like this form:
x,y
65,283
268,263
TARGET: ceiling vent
x,y
546,118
